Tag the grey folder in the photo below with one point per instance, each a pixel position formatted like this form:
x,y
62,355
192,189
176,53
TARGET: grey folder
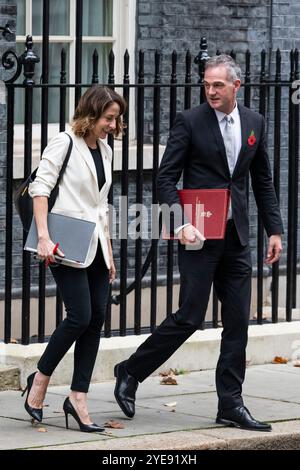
x,y
73,235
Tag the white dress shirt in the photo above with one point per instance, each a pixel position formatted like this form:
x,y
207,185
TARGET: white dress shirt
x,y
237,132
236,125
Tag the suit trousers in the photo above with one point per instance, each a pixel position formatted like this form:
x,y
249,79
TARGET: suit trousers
x,y
228,264
85,294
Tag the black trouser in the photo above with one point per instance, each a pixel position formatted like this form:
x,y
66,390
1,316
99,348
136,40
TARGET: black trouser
x,y
85,294
228,264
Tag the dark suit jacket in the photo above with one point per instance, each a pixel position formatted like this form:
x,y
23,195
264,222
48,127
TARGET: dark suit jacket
x,y
196,147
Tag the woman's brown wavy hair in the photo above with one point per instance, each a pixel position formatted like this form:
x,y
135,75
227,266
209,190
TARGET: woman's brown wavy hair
x,y
92,105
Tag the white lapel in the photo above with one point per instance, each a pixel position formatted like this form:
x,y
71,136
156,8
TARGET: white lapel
x,y
86,154
106,159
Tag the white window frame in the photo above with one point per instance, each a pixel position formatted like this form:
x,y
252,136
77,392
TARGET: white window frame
x,y
124,30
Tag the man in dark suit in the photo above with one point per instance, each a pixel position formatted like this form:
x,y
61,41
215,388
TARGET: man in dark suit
x,y
215,145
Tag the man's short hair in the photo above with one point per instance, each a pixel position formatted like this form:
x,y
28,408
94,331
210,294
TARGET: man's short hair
x,y
233,70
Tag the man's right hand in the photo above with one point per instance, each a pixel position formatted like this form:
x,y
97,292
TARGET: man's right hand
x,y
189,235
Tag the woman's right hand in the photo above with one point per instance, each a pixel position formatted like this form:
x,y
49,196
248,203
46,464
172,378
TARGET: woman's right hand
x,y
45,250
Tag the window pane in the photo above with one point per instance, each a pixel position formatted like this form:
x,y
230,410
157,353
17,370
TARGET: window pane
x,y
37,17
97,18
53,93
59,23
21,20
87,62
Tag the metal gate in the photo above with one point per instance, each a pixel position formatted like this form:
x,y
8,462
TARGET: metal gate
x,y
271,95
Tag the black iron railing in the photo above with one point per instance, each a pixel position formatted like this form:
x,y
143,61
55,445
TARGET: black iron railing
x,y
179,92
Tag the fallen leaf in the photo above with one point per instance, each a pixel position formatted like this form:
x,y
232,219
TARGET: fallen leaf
x,y
114,425
14,341
45,406
166,373
42,430
168,381
54,411
296,363
174,403
279,360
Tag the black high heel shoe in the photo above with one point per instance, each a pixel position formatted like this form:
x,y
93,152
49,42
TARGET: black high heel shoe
x,y
70,410
35,413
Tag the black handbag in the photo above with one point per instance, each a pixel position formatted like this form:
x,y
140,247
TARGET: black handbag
x,y
22,199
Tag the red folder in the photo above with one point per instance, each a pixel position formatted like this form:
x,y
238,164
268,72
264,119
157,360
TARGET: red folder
x,y
206,209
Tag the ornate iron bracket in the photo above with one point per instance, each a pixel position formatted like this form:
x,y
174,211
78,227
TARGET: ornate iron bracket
x,y
7,33
28,59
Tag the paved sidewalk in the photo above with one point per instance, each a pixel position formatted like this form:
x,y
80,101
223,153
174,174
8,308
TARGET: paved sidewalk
x,y
271,392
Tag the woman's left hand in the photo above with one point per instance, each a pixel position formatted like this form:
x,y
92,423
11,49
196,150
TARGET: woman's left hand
x,y
112,271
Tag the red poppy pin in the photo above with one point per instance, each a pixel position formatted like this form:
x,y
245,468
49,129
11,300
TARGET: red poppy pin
x,y
251,138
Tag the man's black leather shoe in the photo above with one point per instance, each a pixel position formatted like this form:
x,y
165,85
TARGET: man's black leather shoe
x,y
126,386
240,417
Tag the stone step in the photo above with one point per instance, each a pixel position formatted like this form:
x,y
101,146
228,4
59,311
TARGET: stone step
x,y
9,378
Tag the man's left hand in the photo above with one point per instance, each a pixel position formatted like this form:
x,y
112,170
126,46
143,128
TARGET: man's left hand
x,y
274,249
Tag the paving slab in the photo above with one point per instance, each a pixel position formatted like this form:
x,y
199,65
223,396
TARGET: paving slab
x,y
275,381
12,405
146,421
270,392
272,410
19,434
189,382
193,404
205,405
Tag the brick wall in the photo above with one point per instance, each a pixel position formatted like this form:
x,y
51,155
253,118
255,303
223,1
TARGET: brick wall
x,y
227,25
238,24
286,21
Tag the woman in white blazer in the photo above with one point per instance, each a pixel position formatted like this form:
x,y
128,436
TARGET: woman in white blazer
x,y
83,193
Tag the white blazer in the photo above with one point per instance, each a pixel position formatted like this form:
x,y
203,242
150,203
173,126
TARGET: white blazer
x,y
79,194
